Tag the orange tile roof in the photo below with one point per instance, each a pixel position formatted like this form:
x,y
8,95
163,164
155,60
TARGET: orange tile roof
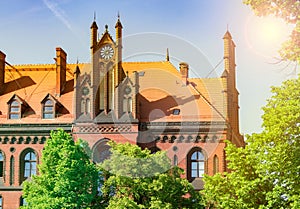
x,y
161,91
32,83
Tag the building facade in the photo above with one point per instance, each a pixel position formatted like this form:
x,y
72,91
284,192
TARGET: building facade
x,y
152,104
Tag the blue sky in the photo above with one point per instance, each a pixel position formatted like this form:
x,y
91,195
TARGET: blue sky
x,y
31,29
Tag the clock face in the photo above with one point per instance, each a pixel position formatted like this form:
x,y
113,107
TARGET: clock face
x,y
106,52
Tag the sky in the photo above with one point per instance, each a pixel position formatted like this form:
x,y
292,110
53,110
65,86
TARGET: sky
x,y
192,30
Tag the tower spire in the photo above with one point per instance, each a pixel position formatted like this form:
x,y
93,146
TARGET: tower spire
x,y
167,55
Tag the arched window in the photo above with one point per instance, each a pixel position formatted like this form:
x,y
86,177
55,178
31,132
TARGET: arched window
x,y
48,109
1,164
175,160
22,201
88,106
216,164
15,110
12,170
101,151
195,164
127,105
82,106
28,164
110,87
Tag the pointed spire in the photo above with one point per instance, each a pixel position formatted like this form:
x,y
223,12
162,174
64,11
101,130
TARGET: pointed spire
x,y
118,24
227,35
94,24
167,56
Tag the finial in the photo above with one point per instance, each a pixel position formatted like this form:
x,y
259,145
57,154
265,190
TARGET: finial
x,y
167,56
106,27
118,15
227,26
77,61
94,15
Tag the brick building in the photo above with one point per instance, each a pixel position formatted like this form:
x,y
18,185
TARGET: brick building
x,y
153,104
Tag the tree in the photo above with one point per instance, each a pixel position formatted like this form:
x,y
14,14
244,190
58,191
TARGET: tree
x,y
264,174
135,178
67,178
288,10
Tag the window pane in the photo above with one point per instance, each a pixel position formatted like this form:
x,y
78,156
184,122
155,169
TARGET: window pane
x,y
1,168
27,156
194,156
15,109
27,166
175,160
48,116
32,156
201,165
33,165
14,116
201,173
26,173
48,108
1,156
49,102
194,173
194,165
200,156
15,103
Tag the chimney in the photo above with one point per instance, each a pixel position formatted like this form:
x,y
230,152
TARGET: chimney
x,y
184,71
2,71
61,68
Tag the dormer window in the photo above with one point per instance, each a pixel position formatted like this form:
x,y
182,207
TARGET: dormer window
x,y
15,110
16,107
176,111
48,109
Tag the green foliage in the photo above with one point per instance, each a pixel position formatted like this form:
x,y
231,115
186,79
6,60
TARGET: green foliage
x,y
135,178
289,11
67,178
265,174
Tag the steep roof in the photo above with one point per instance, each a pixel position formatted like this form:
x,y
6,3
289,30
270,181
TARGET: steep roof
x,y
162,90
32,83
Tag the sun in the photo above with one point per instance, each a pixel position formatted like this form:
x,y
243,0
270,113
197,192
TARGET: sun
x,y
265,35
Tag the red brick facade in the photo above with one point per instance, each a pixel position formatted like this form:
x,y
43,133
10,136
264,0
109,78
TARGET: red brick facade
x,y
152,104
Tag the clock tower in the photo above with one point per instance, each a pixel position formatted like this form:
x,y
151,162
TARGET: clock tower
x,y
106,71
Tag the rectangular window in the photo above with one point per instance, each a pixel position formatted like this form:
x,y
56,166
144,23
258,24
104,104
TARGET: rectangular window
x,y
1,201
1,168
14,116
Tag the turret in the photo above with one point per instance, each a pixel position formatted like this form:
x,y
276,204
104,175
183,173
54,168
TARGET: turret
x,y
229,57
231,92
119,73
94,31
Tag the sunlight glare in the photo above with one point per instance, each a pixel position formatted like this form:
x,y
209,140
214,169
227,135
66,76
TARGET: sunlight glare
x,y
265,35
